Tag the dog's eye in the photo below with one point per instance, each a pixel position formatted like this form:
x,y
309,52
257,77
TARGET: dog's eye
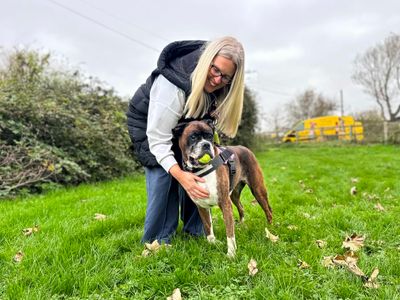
x,y
208,136
192,137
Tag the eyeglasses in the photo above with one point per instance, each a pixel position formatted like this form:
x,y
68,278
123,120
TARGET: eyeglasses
x,y
216,72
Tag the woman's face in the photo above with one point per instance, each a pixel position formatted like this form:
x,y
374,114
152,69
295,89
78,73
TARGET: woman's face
x,y
220,73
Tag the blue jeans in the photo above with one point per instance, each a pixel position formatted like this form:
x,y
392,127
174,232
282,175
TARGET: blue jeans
x,y
164,196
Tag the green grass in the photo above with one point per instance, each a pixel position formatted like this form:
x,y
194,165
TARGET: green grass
x,y
74,256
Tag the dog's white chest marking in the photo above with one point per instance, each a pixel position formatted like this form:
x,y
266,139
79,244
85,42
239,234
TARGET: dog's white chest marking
x,y
211,186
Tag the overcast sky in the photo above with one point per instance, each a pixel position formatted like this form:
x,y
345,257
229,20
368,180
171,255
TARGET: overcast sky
x,y
290,45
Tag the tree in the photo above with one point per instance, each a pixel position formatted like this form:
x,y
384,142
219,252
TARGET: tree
x,y
308,105
378,72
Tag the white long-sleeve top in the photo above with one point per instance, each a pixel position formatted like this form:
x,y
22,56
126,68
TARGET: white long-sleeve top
x,y
166,105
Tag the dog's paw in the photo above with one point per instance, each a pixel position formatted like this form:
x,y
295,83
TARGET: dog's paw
x,y
231,254
211,239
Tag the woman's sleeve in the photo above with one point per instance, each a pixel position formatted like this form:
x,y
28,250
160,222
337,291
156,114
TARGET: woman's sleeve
x,y
166,106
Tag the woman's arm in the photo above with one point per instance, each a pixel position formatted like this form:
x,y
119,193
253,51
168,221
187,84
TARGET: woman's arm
x,y
166,106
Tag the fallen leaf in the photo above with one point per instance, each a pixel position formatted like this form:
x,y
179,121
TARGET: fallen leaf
x,y
252,266
355,269
371,282
349,260
146,252
309,191
353,191
254,202
292,227
154,246
269,235
307,215
379,207
18,257
303,265
29,231
100,217
328,262
354,180
354,242
176,295
321,243
301,182
274,180
370,197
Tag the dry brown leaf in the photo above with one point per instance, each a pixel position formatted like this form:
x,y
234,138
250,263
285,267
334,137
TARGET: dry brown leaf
x,y
18,257
29,231
153,247
349,260
146,252
252,266
99,217
328,262
269,235
353,190
176,295
254,202
379,207
339,260
303,264
355,269
371,282
354,242
292,227
354,180
370,197
321,243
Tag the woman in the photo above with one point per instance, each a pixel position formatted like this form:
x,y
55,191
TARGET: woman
x,y
193,80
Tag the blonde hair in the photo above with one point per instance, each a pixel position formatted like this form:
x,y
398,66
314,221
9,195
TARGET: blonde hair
x,y
230,99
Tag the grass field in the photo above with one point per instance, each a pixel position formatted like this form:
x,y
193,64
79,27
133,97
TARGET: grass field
x,y
75,256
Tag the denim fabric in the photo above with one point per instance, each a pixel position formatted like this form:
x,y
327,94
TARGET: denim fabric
x,y
164,194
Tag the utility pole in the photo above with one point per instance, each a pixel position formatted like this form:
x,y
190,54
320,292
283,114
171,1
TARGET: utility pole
x,y
341,103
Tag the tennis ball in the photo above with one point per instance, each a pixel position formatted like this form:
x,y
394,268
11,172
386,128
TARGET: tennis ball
x,y
205,158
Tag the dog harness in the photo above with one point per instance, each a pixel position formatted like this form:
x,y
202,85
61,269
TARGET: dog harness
x,y
226,157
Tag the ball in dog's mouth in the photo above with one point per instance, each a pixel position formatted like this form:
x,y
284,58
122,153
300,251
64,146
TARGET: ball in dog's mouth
x,y
200,161
205,159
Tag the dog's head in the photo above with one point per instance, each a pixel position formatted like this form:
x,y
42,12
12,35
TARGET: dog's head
x,y
196,140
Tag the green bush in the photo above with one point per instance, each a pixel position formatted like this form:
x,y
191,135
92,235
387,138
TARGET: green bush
x,y
57,126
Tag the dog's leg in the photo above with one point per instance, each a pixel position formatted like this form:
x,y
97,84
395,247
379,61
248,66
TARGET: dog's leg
x,y
259,191
235,196
226,207
205,215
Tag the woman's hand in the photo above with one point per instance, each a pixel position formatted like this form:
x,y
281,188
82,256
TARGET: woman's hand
x,y
189,182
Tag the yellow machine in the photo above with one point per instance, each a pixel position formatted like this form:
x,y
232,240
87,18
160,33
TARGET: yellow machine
x,y
326,128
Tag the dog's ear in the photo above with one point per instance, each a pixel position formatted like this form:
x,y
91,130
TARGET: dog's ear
x,y
210,123
178,130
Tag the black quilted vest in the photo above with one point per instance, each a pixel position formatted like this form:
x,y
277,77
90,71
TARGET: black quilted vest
x,y
176,63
